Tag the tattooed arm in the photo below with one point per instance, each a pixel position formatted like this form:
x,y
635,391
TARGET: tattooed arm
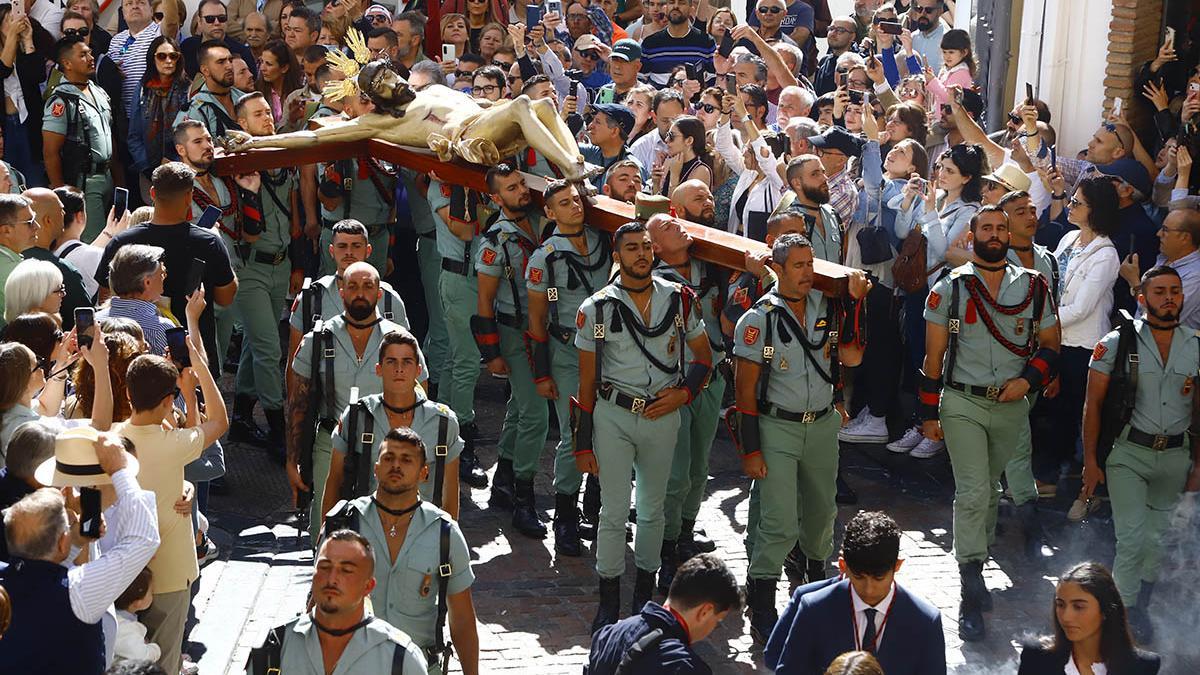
x,y
297,407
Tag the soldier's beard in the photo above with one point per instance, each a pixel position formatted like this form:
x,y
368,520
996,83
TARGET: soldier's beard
x,y
817,195
706,217
632,273
1161,316
992,252
360,310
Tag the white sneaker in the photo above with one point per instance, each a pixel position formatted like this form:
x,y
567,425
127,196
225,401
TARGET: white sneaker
x,y
927,448
908,441
846,432
871,430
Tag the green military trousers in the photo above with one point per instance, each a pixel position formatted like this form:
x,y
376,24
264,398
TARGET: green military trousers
x,y
379,248
261,296
623,441
321,452
689,468
982,437
564,368
1144,486
457,386
434,343
797,498
527,418
97,196
1019,471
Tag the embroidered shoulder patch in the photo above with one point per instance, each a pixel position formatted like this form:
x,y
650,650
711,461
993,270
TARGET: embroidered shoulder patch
x,y
742,297
934,300
579,319
750,335
535,275
57,109
489,256
1099,352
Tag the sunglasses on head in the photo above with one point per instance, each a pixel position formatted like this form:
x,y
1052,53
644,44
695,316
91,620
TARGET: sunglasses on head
x,y
217,18
1112,129
77,32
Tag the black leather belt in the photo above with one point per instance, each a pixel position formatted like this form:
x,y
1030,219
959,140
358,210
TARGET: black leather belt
x,y
807,417
270,259
509,320
458,267
990,393
1158,442
326,424
634,404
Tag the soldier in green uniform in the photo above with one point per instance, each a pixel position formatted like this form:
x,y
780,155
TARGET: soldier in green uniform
x,y
330,370
1022,251
77,132
401,404
361,188
416,186
458,290
788,391
1150,463
499,328
699,419
422,563
322,299
267,218
633,379
194,144
991,338
572,264
338,635
213,103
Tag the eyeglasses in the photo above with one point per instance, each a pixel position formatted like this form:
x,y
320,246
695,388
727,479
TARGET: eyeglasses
x,y
770,10
32,222
166,56
503,65
912,92
1015,119
485,90
41,364
925,10
591,55
671,136
946,109
1182,230
1073,202
379,18
511,79
838,29
463,73
709,108
217,18
77,32
61,290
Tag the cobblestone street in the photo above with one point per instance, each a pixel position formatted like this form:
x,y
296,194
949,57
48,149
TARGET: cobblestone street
x,y
534,611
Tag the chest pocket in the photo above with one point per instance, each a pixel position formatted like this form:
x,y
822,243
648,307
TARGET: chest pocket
x,y
418,593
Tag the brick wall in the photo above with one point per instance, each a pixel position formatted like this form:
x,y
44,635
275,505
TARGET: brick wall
x,y
1133,37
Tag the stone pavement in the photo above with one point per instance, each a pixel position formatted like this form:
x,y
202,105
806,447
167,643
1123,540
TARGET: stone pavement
x,y
534,611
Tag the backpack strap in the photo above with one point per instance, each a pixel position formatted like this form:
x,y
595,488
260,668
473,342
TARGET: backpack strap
x,y
768,353
638,649
67,251
440,452
398,657
328,352
954,325
387,306
442,648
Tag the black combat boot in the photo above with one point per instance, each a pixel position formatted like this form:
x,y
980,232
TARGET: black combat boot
x,y
670,562
691,543
760,598
276,435
525,517
242,428
795,565
643,590
609,611
469,471
566,525
1031,530
970,610
815,570
1140,623
502,485
590,516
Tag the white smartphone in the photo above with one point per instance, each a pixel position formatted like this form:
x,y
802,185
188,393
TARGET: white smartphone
x,y
448,54
1169,37
1118,104
554,6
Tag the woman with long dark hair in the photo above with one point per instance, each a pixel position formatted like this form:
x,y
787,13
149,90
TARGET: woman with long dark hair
x,y
163,92
23,45
1090,630
687,156
279,74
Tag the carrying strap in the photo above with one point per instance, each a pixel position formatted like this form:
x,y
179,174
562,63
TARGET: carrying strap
x,y
398,659
578,273
440,452
310,306
954,325
67,251
773,314
675,318
637,650
387,306
327,353
444,571
362,418
598,335
269,184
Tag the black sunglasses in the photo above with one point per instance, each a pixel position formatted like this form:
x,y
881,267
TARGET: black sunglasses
x,y
709,108
216,18
77,32
1015,119
770,10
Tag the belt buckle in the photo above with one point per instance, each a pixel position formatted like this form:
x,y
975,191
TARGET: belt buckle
x,y
993,393
639,404
1160,442
808,417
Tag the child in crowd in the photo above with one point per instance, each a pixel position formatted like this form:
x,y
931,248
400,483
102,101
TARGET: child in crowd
x,y
131,635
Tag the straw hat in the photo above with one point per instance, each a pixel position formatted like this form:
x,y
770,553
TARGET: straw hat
x,y
75,463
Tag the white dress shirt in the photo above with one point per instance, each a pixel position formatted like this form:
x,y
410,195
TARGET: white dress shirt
x,y
95,585
647,148
1070,669
881,612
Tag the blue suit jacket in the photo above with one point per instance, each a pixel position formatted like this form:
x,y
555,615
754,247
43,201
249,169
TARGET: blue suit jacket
x,y
817,626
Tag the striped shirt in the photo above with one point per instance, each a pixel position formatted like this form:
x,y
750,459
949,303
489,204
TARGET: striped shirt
x,y
133,529
661,52
129,53
154,325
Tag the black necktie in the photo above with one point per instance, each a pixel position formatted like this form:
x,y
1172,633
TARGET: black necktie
x,y
868,642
